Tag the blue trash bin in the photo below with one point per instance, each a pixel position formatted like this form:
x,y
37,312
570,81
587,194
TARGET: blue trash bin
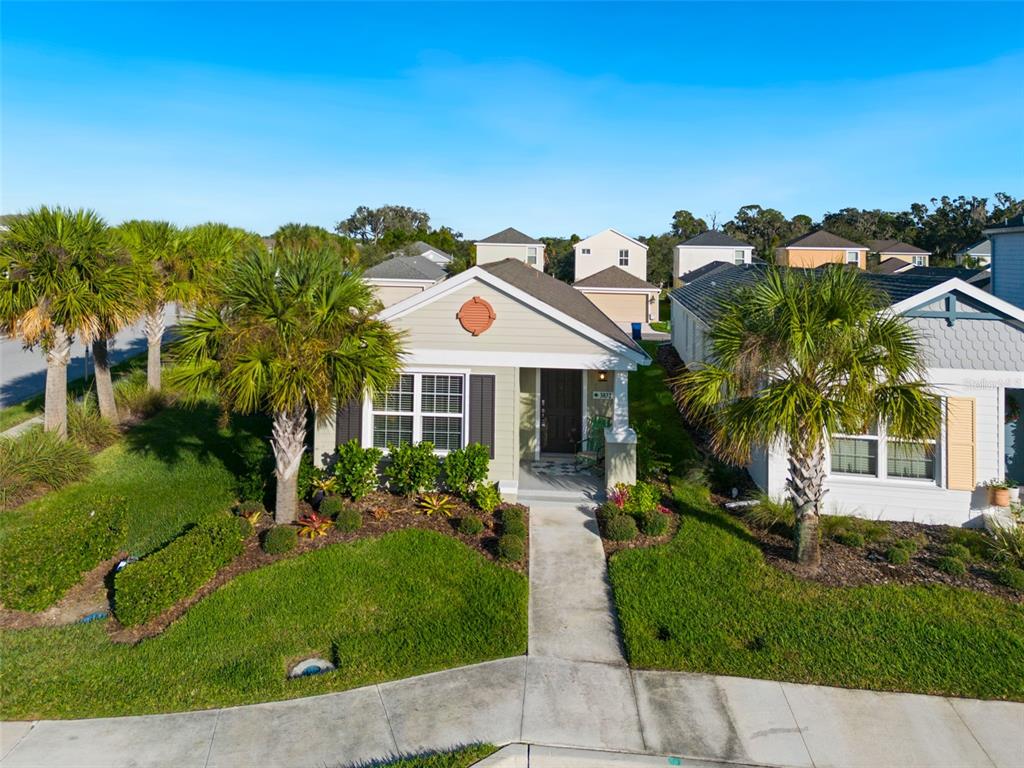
x,y
636,331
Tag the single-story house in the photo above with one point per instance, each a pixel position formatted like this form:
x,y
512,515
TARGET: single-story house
x,y
981,251
708,248
821,247
624,297
510,244
897,249
402,276
426,250
505,356
973,345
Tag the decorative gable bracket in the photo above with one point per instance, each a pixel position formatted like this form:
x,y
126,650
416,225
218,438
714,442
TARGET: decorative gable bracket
x,y
952,311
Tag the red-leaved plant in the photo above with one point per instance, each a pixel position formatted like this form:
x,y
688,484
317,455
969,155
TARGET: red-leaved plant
x,y
313,525
619,495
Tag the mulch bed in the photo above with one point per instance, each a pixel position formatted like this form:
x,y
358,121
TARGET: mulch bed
x,y
642,540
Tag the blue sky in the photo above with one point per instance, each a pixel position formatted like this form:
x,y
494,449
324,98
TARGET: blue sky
x,y
550,118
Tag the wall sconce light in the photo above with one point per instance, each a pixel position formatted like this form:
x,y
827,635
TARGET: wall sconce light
x,y
602,375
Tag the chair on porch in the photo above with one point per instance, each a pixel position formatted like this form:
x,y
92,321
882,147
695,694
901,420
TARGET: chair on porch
x,y
590,450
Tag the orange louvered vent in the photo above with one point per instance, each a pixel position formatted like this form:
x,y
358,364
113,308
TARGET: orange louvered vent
x,y
476,315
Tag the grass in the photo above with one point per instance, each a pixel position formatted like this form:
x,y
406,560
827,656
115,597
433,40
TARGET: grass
x,y
652,410
663,326
407,603
459,758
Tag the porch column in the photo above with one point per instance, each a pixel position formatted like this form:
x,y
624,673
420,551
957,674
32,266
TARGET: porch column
x,y
620,439
620,405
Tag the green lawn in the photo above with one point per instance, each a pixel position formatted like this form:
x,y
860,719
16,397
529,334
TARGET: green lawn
x,y
407,603
653,412
174,469
460,758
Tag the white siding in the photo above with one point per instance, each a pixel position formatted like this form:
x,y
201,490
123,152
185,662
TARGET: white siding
x,y
604,252
688,258
688,334
488,253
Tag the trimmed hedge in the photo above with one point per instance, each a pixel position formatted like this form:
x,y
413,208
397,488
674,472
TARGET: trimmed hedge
x,y
511,548
330,507
621,528
145,589
44,560
471,525
514,527
652,523
348,519
280,539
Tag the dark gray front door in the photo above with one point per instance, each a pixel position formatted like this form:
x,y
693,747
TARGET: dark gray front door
x,y
560,410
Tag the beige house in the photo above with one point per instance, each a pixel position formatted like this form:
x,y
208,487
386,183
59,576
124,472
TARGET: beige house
x,y
609,248
896,249
622,296
508,357
819,248
510,244
403,276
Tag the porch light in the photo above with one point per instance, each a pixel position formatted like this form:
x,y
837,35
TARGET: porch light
x,y
602,375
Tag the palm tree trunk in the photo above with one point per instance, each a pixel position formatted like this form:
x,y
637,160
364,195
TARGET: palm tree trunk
x,y
807,488
154,327
55,418
288,440
104,381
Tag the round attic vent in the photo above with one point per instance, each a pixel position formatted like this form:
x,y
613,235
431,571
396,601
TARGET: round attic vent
x,y
310,667
476,315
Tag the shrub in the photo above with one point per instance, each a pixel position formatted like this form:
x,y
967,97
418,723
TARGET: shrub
x,y
487,497
36,458
436,503
511,548
256,464
471,525
135,398
44,559
618,495
145,589
280,539
466,468
511,513
86,426
251,511
621,528
853,539
245,528
979,545
607,511
642,498
1012,577
910,546
951,566
652,523
898,555
514,527
349,519
959,551
1008,544
771,513
413,468
356,469
313,526
331,506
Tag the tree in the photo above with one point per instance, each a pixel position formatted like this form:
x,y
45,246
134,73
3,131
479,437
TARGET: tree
x,y
764,228
560,257
290,332
61,279
685,225
660,250
368,225
797,358
312,237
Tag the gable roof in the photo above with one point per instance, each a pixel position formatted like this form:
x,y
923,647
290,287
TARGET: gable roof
x,y
406,268
693,274
891,266
613,231
822,238
1017,222
510,236
715,238
895,246
418,249
980,248
614,277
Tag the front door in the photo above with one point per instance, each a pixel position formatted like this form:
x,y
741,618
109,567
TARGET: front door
x,y
561,411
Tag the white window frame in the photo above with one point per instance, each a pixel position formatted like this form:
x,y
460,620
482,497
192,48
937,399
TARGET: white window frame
x,y
531,254
624,257
417,412
855,257
867,438
882,458
739,257
920,261
585,251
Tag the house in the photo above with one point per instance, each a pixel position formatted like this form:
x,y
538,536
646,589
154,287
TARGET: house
x,y
896,249
506,356
427,251
510,244
892,266
1007,242
622,296
819,248
980,252
609,248
402,276
707,248
973,346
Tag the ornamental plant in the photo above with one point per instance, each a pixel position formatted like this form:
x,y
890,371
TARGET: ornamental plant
x,y
466,468
436,503
355,469
313,526
412,468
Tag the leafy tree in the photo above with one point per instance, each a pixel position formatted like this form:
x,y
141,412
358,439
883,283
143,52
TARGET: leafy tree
x,y
290,332
560,258
797,358
660,252
685,225
765,228
312,237
368,225
63,276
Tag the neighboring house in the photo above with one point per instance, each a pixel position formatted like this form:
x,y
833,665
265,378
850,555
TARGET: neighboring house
x,y
510,244
624,297
427,251
707,248
892,266
402,276
1007,241
505,356
981,251
819,248
896,249
973,346
609,248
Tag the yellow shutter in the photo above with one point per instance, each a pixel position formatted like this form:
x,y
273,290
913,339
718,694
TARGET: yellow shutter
x,y
960,448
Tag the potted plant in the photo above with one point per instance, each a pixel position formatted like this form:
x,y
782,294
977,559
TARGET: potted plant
x,y
998,493
1015,490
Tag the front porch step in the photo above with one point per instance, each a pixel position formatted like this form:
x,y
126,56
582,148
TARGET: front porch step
x,y
527,496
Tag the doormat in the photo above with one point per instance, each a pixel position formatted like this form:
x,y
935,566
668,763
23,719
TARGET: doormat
x,y
556,468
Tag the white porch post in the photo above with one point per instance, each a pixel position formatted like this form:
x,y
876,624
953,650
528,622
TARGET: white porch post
x,y
620,405
620,439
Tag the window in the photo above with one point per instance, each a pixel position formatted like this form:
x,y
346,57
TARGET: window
x,y
911,458
585,251
855,454
920,261
852,257
738,257
624,258
869,453
531,255
421,407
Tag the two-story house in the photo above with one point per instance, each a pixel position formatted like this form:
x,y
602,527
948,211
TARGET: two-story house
x,y
510,244
611,270
897,249
821,247
707,248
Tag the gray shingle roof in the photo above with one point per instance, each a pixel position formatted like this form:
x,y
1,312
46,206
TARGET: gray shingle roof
x,y
822,238
614,277
894,246
980,248
1012,223
716,238
703,295
418,249
406,268
891,266
510,236
559,295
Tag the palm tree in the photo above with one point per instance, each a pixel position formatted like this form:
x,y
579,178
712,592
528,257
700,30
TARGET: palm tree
x,y
62,278
797,358
290,331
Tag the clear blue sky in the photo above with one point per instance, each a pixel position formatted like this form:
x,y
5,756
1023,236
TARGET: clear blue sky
x,y
550,118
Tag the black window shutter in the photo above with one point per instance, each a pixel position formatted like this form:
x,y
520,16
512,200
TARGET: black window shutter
x,y
481,410
348,422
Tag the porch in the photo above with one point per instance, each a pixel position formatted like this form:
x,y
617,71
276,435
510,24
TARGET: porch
x,y
557,477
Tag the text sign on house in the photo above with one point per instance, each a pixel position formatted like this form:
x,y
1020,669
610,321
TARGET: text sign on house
x,y
602,395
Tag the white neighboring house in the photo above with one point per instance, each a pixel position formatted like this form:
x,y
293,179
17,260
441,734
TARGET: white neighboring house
x,y
609,248
973,345
400,277
427,251
707,248
981,250
510,244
